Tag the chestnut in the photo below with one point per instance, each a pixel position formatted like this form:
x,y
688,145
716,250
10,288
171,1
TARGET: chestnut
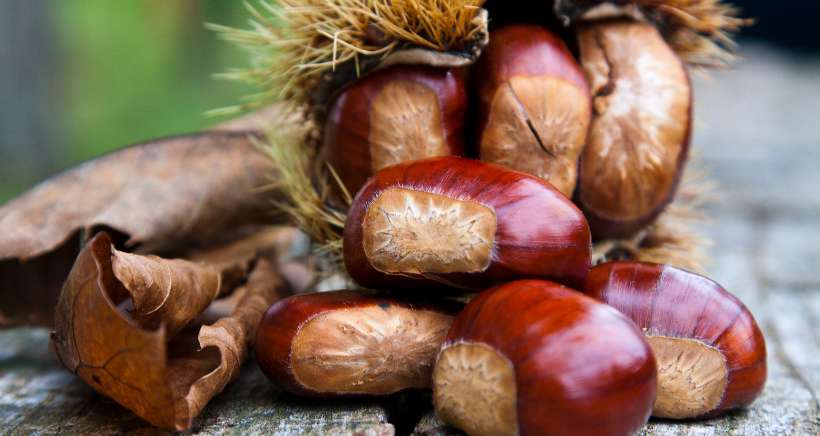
x,y
639,137
533,357
711,354
393,115
344,343
534,104
462,223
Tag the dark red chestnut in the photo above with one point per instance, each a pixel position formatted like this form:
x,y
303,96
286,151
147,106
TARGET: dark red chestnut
x,y
462,223
639,137
534,104
533,358
711,354
400,113
345,343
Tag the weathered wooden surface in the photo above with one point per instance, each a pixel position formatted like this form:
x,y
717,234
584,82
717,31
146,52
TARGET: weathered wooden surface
x,y
757,130
38,396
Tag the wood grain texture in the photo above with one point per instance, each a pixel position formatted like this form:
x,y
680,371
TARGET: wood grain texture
x,y
38,396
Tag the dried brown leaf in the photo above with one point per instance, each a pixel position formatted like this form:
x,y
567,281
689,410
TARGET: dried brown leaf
x,y
166,382
169,292
233,335
158,196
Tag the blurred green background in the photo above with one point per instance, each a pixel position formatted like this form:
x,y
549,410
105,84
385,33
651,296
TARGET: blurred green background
x,y
79,78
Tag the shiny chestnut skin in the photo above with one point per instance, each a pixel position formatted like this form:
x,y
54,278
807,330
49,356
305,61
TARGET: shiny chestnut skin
x,y
638,140
532,357
460,223
345,343
534,104
698,331
393,115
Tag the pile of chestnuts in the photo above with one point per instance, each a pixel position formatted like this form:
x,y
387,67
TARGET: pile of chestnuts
x,y
493,180
556,347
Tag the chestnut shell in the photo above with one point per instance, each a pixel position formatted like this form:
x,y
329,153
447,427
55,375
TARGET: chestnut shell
x,y
348,128
638,141
534,104
667,301
581,367
285,318
540,233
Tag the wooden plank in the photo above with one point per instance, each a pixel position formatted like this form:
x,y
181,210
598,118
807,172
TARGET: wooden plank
x,y
792,251
38,396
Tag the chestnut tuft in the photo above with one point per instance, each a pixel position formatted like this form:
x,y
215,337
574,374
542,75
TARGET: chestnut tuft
x,y
639,137
462,223
534,357
394,115
534,105
343,343
711,354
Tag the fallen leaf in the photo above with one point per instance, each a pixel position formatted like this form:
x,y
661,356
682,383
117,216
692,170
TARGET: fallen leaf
x,y
157,196
169,292
166,381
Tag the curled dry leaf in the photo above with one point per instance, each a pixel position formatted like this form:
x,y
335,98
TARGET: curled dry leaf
x,y
159,196
166,381
169,292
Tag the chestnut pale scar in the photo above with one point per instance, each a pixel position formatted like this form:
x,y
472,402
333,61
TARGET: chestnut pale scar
x,y
415,232
405,124
475,390
368,350
538,125
692,376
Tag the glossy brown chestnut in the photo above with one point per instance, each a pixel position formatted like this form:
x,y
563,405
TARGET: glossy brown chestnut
x,y
639,137
535,358
711,354
397,114
534,105
462,223
344,343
